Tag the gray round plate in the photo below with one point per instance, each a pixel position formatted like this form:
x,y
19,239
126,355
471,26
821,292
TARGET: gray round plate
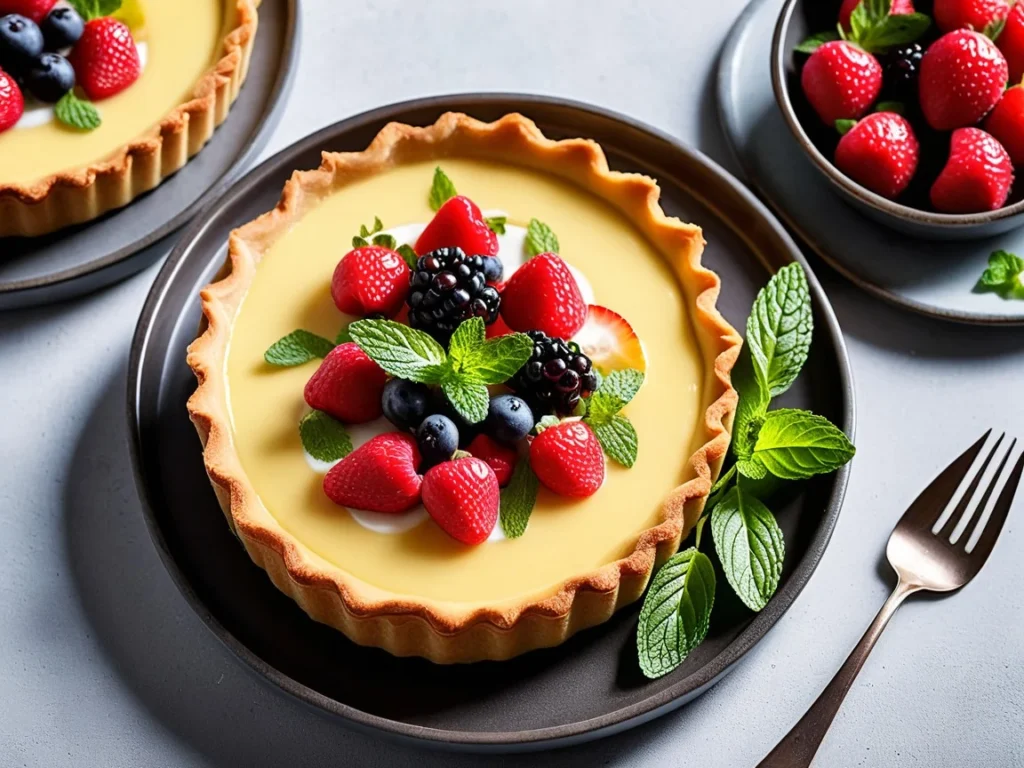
x,y
81,259
932,278
589,687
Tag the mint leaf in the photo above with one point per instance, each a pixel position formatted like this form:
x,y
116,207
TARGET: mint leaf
x,y
752,468
779,329
108,7
617,389
77,113
875,29
296,348
400,350
676,613
814,42
1003,275
752,406
469,398
618,438
795,445
496,224
467,337
324,438
441,190
518,499
750,546
407,253
540,239
94,9
498,359
385,241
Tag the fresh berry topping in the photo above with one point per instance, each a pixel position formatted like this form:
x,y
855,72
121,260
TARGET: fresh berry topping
x,y
21,41
32,9
440,404
438,439
105,59
49,77
405,403
347,385
448,287
977,177
543,295
568,459
493,270
62,28
899,8
902,66
501,458
963,76
458,224
12,103
610,342
463,498
841,81
555,377
1011,42
379,476
880,152
371,280
498,328
509,418
969,14
1006,123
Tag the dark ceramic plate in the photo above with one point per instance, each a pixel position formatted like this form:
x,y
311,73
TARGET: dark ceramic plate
x,y
81,259
588,687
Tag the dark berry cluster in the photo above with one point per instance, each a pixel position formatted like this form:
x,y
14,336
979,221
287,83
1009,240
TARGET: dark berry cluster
x,y
28,51
448,287
902,67
555,377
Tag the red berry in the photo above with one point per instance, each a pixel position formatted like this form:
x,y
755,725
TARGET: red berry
x,y
968,14
542,295
379,476
963,76
463,498
347,385
498,328
33,9
500,458
12,103
1011,42
977,177
568,459
880,152
370,280
841,81
458,224
105,58
1006,123
899,8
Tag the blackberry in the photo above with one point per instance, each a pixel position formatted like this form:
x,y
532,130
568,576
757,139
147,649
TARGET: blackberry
x,y
555,377
448,287
901,69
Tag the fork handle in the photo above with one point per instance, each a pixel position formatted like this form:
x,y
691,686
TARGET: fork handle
x,y
799,746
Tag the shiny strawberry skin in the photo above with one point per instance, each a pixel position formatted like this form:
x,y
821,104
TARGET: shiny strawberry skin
x,y
841,81
370,280
33,9
963,76
12,103
379,476
105,58
977,177
347,385
542,295
501,458
458,224
899,7
568,459
463,498
968,14
1006,123
881,153
1011,42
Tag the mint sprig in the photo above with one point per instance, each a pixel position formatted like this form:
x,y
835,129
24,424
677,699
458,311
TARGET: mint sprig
x,y
400,350
77,113
779,330
298,347
518,499
323,437
874,28
94,9
441,190
796,445
1004,275
540,238
615,432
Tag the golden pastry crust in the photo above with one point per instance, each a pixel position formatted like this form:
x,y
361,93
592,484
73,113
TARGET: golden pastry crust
x,y
448,632
81,194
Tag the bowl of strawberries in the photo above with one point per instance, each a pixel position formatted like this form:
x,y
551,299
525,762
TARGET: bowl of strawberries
x,y
912,109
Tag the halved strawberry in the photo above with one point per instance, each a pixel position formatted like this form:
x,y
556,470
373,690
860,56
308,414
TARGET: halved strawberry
x,y
610,342
458,224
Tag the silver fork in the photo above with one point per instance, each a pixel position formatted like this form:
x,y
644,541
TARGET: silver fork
x,y
926,557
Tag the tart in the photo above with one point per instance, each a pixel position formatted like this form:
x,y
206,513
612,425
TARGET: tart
x,y
154,79
452,583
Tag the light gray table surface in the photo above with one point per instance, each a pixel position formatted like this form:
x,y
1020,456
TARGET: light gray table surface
x,y
102,663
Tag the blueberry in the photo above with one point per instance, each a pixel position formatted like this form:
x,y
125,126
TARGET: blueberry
x,y
61,28
438,438
20,42
49,77
493,269
405,403
467,431
509,418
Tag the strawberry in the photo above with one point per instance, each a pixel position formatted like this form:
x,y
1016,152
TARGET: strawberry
x,y
609,341
12,103
880,152
542,295
963,75
1006,123
370,280
105,58
463,498
969,14
977,177
500,458
347,385
33,9
379,476
568,459
458,223
841,81
899,8
498,328
1011,42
